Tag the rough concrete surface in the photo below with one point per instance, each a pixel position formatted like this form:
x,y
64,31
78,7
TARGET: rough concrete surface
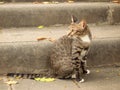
x,y
99,79
57,0
29,14
31,57
21,52
3,86
115,13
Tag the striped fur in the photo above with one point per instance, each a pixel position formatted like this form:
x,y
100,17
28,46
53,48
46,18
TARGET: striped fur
x,y
22,75
69,54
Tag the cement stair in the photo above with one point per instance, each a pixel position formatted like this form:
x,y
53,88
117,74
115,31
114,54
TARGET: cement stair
x,y
56,0
30,15
21,52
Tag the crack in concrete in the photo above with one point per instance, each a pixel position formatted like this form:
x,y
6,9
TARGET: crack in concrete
x,y
110,12
76,83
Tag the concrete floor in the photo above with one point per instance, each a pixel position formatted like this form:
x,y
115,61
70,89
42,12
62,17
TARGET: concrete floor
x,y
105,78
31,15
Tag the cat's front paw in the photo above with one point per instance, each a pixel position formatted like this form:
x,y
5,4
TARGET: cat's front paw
x,y
88,72
82,80
73,76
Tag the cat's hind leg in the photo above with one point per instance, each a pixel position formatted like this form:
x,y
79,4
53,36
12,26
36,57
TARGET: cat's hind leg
x,y
83,66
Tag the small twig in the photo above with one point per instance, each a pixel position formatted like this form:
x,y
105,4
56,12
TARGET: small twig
x,y
76,83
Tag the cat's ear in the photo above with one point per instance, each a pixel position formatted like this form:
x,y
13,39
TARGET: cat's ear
x,y
73,19
83,24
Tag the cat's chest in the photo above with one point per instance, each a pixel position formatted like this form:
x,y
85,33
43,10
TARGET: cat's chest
x,y
86,38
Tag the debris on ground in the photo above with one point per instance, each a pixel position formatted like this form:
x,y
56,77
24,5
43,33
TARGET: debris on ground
x,y
11,82
41,26
116,1
71,1
45,38
44,79
97,71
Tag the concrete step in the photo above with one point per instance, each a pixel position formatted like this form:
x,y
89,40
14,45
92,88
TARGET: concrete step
x,y
99,79
56,0
21,52
29,14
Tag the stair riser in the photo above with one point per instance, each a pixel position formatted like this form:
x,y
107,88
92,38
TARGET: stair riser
x,y
57,0
35,15
33,57
104,52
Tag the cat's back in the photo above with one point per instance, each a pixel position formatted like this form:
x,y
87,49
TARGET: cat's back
x,y
61,56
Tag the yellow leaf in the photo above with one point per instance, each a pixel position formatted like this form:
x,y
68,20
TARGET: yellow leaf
x,y
42,79
41,26
11,82
49,79
46,2
37,79
45,79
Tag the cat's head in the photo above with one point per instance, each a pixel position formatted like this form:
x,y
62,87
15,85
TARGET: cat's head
x,y
77,25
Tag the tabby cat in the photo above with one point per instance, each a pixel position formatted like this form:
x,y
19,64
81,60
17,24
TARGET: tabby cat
x,y
69,54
